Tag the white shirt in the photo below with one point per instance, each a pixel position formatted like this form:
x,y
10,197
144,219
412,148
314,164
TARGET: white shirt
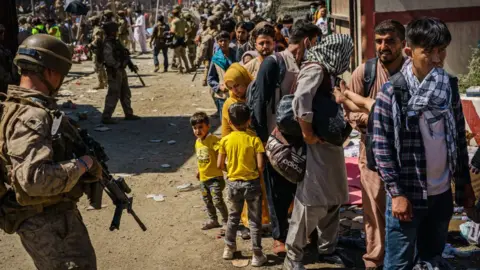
x,y
438,173
322,23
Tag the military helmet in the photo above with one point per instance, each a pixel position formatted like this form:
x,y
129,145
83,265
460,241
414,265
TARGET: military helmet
x,y
121,13
187,15
176,9
42,51
107,12
94,18
110,27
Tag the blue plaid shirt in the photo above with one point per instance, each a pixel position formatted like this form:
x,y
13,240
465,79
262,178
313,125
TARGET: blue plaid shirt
x,y
409,177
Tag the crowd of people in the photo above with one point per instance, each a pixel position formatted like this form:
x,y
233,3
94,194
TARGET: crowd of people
x,y
260,71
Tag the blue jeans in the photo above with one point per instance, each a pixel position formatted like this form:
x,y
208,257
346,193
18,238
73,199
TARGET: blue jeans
x,y
219,103
423,238
156,51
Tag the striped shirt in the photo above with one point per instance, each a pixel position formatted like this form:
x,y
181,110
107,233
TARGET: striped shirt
x,y
405,173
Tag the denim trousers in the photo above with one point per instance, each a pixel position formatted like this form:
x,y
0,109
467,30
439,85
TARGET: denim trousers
x,y
219,104
421,239
156,51
239,192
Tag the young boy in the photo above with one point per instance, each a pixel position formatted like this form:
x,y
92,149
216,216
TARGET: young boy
x,y
211,177
245,166
420,148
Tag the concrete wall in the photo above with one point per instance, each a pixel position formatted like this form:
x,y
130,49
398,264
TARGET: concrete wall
x,y
402,5
465,36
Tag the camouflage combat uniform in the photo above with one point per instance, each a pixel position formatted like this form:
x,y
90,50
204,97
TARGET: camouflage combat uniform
x,y
205,51
44,177
123,34
179,27
116,59
190,41
97,56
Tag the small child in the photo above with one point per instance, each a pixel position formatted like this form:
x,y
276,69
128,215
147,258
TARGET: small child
x,y
245,166
211,177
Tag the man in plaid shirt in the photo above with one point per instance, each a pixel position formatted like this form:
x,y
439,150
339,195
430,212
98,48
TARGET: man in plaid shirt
x,y
419,145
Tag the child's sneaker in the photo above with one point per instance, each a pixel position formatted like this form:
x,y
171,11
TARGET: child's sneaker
x,y
258,259
228,252
211,224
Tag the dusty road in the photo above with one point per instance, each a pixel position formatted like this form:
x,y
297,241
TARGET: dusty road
x,y
174,239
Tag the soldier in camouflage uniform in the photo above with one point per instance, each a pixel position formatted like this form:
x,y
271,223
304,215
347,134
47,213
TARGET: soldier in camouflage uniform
x,y
45,176
206,41
123,33
190,39
179,27
108,16
96,46
6,63
158,41
116,58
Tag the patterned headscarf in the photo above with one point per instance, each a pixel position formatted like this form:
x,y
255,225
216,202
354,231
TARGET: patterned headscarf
x,y
333,52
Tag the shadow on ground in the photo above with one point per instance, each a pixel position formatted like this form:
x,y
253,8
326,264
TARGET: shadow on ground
x,y
145,145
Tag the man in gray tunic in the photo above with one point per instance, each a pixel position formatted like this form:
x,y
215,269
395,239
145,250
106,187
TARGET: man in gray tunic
x,y
324,189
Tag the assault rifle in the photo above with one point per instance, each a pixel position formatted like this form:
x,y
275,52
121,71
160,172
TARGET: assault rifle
x,y
116,189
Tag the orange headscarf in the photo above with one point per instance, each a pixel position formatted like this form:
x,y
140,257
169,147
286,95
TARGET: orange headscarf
x,y
237,74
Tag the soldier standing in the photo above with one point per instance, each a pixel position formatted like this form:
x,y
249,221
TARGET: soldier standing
x,y
179,27
6,63
45,178
123,29
96,46
206,41
116,58
190,42
158,41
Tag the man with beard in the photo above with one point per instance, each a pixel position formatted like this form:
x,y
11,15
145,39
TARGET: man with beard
x,y
241,32
390,42
280,192
264,45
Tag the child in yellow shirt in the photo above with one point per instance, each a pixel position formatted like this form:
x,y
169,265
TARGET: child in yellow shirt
x,y
211,178
245,166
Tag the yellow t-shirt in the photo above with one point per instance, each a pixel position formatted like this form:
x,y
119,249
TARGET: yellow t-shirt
x,y
207,153
241,149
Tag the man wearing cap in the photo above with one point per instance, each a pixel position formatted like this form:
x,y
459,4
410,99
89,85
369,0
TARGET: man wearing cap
x,y
45,177
116,59
179,27
96,46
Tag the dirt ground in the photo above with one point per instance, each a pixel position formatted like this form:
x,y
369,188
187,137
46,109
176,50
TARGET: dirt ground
x,y
173,239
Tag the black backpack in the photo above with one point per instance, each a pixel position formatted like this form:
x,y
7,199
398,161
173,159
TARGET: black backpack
x,y
369,75
402,96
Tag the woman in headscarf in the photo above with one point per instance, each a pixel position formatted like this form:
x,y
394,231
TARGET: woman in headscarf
x,y
324,188
237,80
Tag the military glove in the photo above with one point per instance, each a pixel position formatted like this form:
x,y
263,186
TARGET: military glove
x,y
94,174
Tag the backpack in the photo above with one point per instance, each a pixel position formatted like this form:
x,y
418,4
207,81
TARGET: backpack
x,y
288,156
402,95
369,76
252,91
328,120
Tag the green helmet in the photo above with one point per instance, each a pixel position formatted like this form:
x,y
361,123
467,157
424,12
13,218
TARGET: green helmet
x,y
42,51
176,9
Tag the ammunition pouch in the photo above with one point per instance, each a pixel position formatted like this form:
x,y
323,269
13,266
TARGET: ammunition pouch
x,y
12,214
